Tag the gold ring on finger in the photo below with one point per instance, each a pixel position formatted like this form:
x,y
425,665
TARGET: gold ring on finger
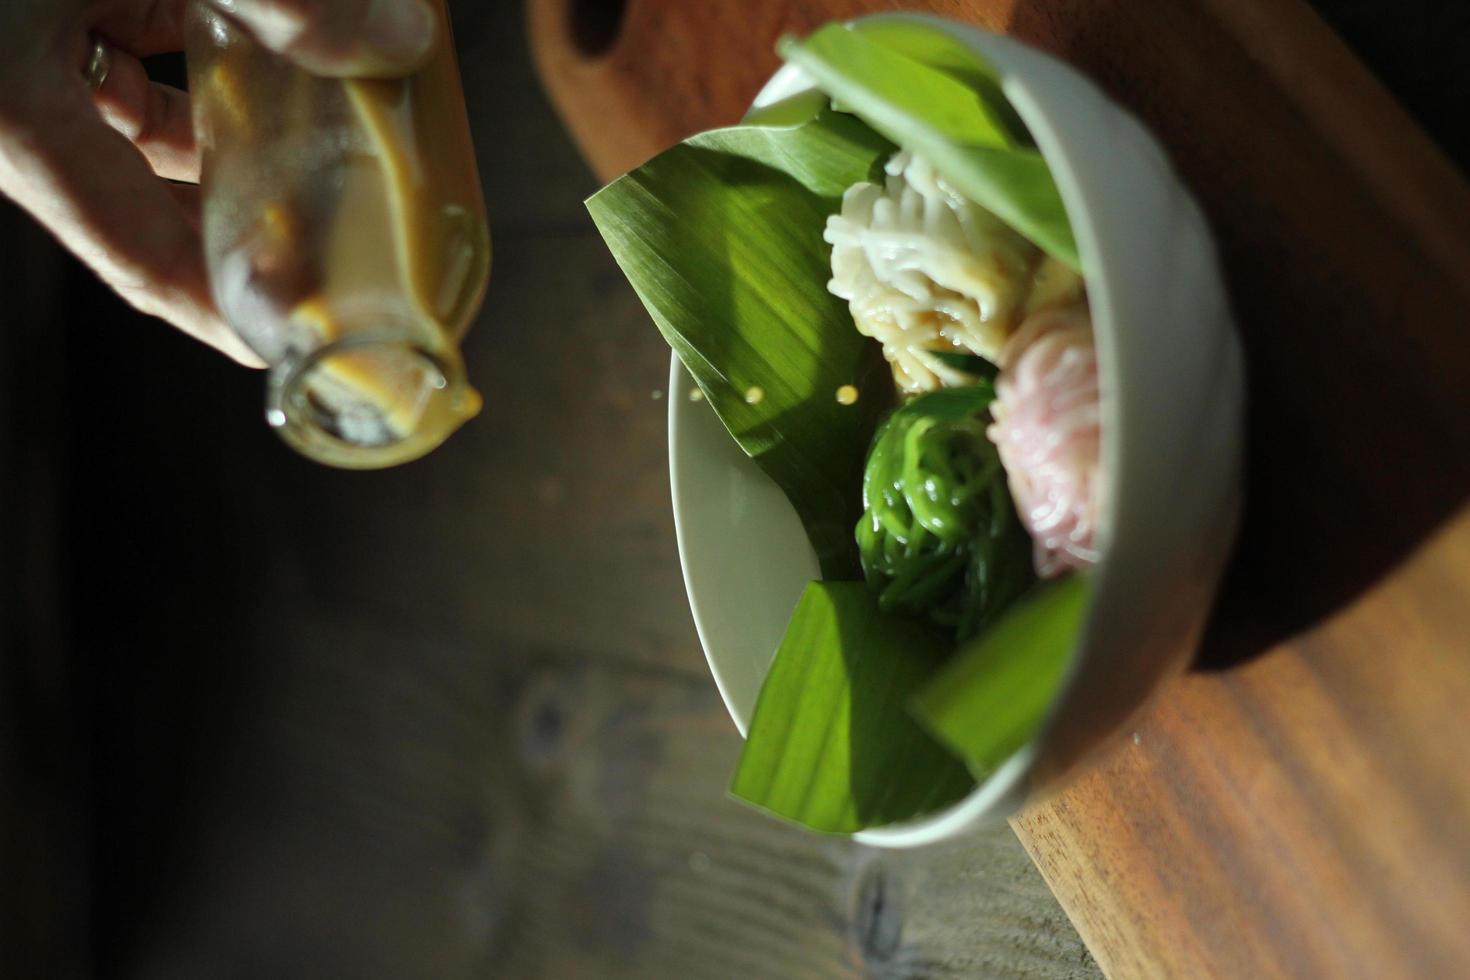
x,y
99,63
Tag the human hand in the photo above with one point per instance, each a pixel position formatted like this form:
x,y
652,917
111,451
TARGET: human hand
x,y
112,171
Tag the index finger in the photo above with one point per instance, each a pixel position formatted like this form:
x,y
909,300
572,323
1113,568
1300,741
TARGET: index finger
x,y
97,193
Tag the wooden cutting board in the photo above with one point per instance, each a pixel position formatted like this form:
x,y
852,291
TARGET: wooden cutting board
x,y
1299,804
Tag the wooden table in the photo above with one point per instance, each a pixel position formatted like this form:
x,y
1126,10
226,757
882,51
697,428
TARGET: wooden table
x,y
263,719
1299,805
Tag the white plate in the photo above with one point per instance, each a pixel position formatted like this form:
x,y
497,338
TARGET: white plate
x,y
1173,407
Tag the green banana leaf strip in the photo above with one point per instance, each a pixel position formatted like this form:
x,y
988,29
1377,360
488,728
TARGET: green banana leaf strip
x,y
994,696
909,83
721,237
832,745
940,50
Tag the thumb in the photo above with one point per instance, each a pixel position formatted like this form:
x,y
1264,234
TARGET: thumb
x,y
342,38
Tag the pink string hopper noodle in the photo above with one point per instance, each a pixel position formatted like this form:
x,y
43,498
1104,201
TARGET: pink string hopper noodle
x,y
1048,427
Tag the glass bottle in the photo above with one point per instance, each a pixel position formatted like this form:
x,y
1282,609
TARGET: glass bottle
x,y
345,234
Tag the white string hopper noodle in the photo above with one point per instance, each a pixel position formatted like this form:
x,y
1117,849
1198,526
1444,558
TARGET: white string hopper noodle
x,y
926,270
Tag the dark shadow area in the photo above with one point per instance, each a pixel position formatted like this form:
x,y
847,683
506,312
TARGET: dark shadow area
x,y
44,803
1419,55
1356,346
161,572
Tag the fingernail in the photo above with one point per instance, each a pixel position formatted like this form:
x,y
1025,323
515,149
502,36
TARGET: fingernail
x,y
275,27
400,30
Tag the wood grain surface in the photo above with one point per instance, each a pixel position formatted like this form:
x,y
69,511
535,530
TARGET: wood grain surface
x,y
1299,804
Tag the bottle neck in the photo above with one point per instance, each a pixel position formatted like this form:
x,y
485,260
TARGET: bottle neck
x,y
367,402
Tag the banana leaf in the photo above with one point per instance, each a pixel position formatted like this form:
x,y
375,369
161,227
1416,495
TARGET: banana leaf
x,y
832,745
991,699
868,719
721,237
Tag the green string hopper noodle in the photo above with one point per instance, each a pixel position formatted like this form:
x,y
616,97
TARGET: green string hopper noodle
x,y
939,538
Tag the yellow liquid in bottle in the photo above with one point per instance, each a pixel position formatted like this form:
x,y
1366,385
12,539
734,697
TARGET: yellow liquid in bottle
x,y
379,266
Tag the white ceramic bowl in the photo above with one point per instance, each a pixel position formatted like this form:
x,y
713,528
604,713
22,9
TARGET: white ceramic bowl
x,y
1173,410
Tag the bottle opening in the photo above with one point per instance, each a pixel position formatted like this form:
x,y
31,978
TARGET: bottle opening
x,y
362,403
